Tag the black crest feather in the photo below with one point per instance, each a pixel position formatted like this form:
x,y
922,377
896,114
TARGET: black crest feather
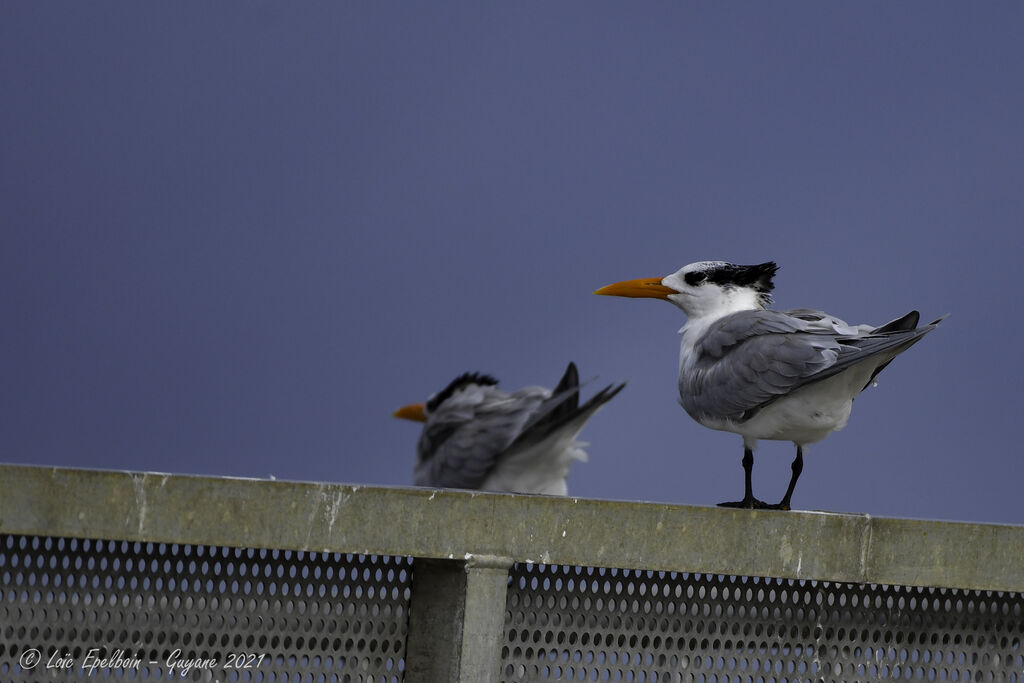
x,y
462,380
758,277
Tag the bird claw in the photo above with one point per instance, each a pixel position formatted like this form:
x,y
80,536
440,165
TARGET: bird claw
x,y
748,504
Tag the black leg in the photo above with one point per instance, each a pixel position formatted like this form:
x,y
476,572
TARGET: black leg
x,y
748,501
797,467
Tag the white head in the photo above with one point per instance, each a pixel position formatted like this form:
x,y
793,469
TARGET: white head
x,y
705,288
465,383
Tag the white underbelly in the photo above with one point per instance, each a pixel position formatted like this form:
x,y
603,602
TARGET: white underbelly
x,y
807,415
539,469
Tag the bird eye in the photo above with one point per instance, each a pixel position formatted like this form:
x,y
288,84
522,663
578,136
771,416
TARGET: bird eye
x,y
695,278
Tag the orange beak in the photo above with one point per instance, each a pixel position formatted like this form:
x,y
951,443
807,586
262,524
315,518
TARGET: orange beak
x,y
415,412
649,287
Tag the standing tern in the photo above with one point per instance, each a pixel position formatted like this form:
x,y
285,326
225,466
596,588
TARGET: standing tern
x,y
476,436
766,374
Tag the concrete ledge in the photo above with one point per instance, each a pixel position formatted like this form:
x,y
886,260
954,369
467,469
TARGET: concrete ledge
x,y
445,524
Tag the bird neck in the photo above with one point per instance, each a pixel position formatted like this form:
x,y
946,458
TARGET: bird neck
x,y
719,303
705,312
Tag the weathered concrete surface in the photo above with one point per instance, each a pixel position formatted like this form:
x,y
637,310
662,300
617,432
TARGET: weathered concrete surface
x,y
453,524
457,620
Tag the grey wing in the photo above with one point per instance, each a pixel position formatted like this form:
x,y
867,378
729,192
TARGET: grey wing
x,y
751,358
752,372
460,444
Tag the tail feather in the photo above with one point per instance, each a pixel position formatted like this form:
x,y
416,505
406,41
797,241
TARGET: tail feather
x,y
907,323
562,403
564,408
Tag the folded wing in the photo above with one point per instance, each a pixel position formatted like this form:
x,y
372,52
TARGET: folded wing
x,y
475,431
747,360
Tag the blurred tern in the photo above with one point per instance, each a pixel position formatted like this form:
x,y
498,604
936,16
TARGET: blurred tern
x,y
765,374
477,436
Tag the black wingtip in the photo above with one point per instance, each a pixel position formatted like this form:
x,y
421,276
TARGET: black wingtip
x,y
603,396
565,406
570,378
907,322
565,398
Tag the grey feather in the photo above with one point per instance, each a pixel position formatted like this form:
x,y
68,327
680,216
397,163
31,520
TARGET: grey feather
x,y
474,428
746,360
463,438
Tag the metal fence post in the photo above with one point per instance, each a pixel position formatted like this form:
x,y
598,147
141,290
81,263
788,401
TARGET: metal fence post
x,y
456,620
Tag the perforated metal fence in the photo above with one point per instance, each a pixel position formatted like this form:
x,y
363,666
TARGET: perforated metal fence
x,y
149,577
576,623
82,608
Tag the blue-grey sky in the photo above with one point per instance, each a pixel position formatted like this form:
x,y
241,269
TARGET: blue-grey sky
x,y
237,237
